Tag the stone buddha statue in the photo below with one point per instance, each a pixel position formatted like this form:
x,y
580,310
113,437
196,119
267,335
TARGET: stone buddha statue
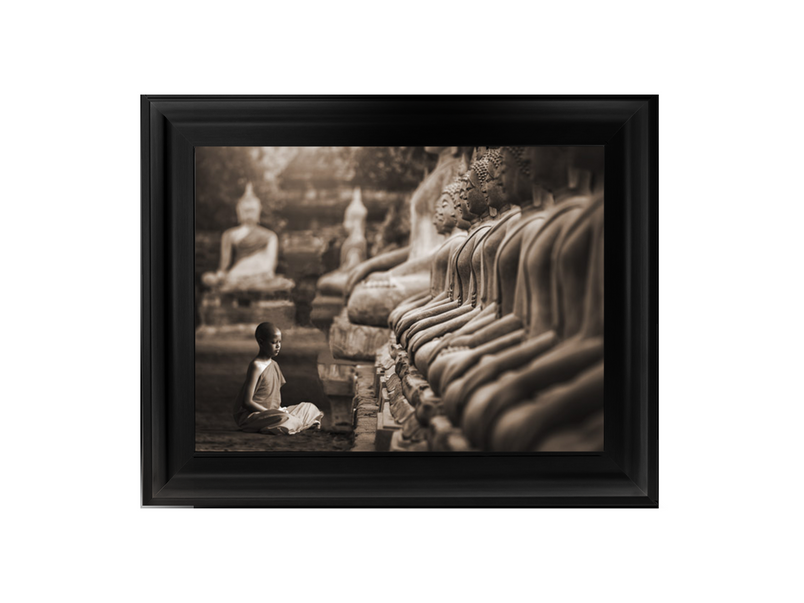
x,y
531,328
559,354
353,250
507,186
406,272
249,252
454,355
567,416
448,222
458,299
562,389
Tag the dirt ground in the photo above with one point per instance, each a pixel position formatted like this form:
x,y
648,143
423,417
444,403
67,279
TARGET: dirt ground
x,y
220,370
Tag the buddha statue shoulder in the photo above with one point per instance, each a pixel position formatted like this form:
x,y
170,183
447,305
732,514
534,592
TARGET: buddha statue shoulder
x,y
249,252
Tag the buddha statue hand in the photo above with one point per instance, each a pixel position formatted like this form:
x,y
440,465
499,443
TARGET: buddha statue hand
x,y
429,406
214,279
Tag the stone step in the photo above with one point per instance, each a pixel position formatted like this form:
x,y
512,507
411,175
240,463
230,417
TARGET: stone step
x,y
280,312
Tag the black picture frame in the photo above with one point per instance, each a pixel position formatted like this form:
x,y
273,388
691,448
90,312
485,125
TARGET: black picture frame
x,y
625,474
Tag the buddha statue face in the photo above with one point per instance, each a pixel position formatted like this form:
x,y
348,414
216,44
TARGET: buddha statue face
x,y
516,175
494,186
457,214
438,214
473,201
589,159
248,211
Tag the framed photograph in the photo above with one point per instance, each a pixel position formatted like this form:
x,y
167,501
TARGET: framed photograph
x,y
333,316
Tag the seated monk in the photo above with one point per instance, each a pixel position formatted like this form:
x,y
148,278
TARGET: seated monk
x,y
506,185
249,252
450,223
575,367
406,271
353,250
578,294
458,301
530,328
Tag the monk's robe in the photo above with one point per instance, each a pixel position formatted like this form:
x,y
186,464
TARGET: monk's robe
x,y
277,420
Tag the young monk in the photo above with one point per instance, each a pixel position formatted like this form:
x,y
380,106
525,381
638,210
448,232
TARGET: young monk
x,y
257,407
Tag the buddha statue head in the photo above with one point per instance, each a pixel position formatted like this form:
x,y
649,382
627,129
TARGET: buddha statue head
x,y
438,214
248,207
492,185
474,203
449,207
516,175
354,218
586,167
548,167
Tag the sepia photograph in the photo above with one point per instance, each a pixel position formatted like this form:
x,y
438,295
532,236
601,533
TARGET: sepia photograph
x,y
399,299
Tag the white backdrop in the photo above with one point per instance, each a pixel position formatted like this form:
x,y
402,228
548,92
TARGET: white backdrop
x,y
731,329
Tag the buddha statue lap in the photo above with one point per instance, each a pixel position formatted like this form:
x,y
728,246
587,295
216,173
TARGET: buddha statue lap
x,y
249,253
373,295
353,250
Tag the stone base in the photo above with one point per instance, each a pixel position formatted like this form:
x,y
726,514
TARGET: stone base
x,y
219,308
325,309
339,381
355,342
366,409
386,425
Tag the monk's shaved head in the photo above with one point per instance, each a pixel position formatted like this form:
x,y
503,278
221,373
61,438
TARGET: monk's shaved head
x,y
265,331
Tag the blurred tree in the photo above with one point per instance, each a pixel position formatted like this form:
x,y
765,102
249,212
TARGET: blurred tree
x,y
222,174
391,168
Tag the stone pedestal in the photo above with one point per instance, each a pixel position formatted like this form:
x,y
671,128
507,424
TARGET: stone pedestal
x,y
386,425
225,308
339,381
355,342
325,309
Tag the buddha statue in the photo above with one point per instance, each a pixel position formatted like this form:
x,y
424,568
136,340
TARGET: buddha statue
x,y
448,222
454,355
249,252
573,344
532,326
458,299
567,416
353,250
507,186
563,390
377,286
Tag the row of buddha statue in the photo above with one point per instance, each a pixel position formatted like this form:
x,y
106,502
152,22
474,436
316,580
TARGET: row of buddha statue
x,y
497,321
